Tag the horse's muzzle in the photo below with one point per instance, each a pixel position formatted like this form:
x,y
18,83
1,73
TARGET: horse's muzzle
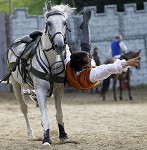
x,y
59,48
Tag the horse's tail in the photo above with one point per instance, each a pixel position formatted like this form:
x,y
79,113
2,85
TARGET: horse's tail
x,y
105,87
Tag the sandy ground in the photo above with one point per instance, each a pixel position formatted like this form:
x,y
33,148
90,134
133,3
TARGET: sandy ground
x,y
91,124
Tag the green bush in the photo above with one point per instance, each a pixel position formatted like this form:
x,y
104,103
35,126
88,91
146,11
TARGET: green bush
x,y
35,6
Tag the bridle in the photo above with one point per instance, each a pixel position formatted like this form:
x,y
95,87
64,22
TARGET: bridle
x,y
51,37
48,68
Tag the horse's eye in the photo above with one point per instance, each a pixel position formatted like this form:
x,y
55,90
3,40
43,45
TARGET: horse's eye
x,y
64,23
49,23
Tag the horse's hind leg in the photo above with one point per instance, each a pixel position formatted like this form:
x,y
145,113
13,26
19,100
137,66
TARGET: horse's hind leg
x,y
23,106
114,89
129,88
105,87
59,114
120,89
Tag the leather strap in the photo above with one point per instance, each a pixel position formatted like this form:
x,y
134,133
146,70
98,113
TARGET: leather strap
x,y
47,77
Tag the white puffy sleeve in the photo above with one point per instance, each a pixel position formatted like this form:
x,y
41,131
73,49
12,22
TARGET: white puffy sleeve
x,y
68,53
104,71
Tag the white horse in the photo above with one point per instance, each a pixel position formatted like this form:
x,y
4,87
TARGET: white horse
x,y
45,67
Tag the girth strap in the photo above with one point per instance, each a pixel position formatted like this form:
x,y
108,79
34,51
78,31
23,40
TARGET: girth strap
x,y
48,77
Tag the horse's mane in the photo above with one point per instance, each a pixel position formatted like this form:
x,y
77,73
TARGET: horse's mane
x,y
132,54
66,9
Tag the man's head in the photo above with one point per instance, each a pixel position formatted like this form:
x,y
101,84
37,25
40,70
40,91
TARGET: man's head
x,y
118,37
80,60
95,51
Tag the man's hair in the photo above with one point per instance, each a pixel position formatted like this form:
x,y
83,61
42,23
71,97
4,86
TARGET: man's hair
x,y
118,37
78,59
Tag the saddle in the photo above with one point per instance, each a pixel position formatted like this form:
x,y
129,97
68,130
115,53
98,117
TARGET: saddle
x,y
24,48
27,44
31,37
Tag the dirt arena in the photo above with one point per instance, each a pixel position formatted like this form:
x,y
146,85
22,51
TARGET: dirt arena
x,y
91,124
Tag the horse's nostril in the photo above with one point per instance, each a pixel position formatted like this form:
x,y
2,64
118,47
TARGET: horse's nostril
x,y
59,47
56,46
64,46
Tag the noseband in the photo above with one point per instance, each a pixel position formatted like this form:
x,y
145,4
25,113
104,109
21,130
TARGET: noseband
x,y
51,37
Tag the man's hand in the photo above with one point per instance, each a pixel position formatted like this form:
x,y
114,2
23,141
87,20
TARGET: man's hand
x,y
133,62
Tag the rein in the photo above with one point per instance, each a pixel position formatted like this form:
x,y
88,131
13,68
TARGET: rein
x,y
51,39
47,68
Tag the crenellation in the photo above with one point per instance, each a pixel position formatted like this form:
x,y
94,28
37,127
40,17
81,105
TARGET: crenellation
x,y
110,10
145,6
130,8
93,10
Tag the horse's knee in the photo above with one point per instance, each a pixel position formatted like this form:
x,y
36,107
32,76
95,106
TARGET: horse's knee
x,y
45,123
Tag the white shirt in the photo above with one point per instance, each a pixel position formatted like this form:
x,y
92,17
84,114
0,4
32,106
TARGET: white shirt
x,y
103,71
123,47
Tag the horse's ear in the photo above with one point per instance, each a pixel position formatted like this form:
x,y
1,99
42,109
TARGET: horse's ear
x,y
139,51
48,5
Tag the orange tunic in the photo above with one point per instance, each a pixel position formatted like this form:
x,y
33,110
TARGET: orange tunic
x,y
80,81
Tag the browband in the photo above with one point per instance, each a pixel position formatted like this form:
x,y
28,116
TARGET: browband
x,y
55,13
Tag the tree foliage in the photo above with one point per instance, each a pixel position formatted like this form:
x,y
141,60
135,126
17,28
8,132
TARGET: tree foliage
x,y
35,6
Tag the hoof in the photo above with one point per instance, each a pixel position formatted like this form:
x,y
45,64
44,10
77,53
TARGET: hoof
x,y
120,98
130,98
64,140
32,137
46,145
115,98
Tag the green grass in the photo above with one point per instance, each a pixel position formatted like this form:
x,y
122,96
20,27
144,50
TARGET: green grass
x,y
34,6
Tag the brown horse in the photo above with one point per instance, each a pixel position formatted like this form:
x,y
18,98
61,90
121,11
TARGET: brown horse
x,y
124,77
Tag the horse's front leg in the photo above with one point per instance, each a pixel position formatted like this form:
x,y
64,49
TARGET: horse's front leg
x,y
129,88
41,98
58,93
114,89
23,107
120,89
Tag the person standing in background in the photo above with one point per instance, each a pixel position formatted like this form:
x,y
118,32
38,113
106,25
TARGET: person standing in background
x,y
96,58
118,47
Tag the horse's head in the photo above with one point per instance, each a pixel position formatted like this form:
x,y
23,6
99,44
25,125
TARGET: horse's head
x,y
56,26
137,54
132,54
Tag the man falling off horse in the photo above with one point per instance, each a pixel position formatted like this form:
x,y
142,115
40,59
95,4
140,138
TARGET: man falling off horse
x,y
81,71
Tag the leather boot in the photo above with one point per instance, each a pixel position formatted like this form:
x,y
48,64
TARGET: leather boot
x,y
85,34
86,18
